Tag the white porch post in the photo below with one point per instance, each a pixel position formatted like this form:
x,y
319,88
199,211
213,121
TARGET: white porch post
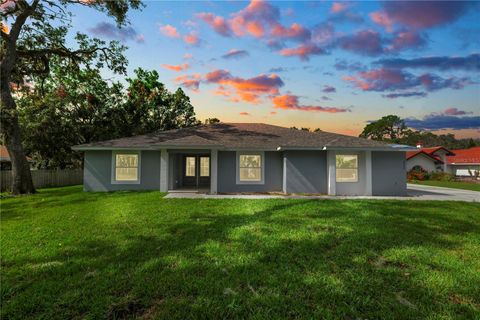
x,y
368,173
164,170
213,171
331,173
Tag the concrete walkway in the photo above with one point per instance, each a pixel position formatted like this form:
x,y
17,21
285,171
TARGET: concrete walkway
x,y
415,192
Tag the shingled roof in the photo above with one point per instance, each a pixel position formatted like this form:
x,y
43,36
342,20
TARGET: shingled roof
x,y
255,136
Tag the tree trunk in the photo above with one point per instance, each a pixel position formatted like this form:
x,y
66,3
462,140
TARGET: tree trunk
x,y
22,179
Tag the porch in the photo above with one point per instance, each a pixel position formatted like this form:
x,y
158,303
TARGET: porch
x,y
188,170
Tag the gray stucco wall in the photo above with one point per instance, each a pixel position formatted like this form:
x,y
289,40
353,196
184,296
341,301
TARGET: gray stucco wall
x,y
389,175
227,173
306,172
97,172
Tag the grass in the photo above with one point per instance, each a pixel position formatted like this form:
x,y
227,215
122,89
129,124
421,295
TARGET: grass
x,y
450,184
67,254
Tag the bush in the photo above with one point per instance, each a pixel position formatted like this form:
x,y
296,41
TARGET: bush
x,y
417,173
441,176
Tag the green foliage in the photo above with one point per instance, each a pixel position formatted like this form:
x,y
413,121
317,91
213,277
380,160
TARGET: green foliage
x,y
212,120
72,107
392,128
441,176
68,254
417,173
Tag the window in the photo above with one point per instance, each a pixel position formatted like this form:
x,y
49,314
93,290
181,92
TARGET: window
x,y
346,168
190,166
204,166
126,167
250,168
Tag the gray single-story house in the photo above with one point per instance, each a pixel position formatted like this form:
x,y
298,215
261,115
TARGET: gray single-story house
x,y
246,157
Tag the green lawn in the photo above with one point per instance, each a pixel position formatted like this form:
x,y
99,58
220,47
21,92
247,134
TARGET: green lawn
x,y
450,184
66,254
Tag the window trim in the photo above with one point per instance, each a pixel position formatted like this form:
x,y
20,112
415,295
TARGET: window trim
x,y
237,166
200,166
358,167
114,165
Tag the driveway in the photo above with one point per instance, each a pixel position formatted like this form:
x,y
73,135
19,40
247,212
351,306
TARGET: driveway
x,y
422,192
415,192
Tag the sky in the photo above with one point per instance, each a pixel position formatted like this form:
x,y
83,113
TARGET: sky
x,y
329,65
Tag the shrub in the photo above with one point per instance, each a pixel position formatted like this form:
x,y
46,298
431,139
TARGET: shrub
x,y
441,176
417,173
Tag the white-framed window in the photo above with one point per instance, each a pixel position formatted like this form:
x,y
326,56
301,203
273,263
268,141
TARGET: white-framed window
x,y
125,167
190,166
204,166
250,167
346,167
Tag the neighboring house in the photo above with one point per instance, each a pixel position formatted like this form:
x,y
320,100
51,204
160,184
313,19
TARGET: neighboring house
x,y
246,157
5,163
440,159
429,159
463,161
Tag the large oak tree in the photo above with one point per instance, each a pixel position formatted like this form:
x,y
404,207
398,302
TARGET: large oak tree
x,y
33,33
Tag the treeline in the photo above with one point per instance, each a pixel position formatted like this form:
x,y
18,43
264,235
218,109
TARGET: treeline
x,y
393,129
70,107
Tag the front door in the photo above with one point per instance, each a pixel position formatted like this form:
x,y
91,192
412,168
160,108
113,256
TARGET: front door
x,y
196,170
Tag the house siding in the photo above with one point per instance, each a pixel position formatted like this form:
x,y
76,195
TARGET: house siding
x,y
389,177
97,172
306,172
423,161
227,173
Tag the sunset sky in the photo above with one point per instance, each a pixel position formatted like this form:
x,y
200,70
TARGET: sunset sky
x,y
332,65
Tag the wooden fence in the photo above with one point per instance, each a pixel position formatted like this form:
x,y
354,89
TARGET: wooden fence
x,y
45,178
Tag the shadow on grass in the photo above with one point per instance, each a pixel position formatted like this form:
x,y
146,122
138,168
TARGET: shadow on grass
x,y
281,259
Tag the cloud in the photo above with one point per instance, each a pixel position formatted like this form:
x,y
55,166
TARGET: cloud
x,y
218,24
191,82
290,102
191,38
382,19
338,7
441,121
342,65
169,31
364,42
405,94
328,89
236,54
424,14
111,31
455,112
249,90
244,113
469,63
385,79
303,51
178,67
273,113
403,40
278,69
294,32
187,56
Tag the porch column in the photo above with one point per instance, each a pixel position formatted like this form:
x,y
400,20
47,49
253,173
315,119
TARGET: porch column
x,y
331,172
368,173
164,170
213,171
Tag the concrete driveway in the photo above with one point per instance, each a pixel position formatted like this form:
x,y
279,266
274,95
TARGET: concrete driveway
x,y
422,192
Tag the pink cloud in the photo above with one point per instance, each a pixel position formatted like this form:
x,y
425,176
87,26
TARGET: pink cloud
x,y
219,24
295,31
191,39
244,113
178,67
364,42
406,40
455,112
187,56
248,90
191,82
338,7
303,51
169,31
290,102
382,19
